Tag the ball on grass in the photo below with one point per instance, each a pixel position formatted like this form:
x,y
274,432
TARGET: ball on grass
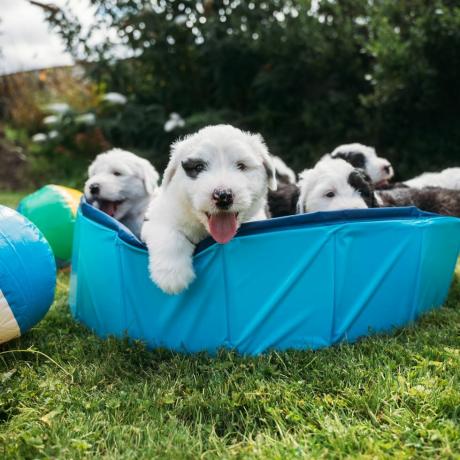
x,y
53,209
27,274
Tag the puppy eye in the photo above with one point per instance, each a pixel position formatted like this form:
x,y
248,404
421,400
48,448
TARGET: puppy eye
x,y
241,166
117,173
194,167
330,195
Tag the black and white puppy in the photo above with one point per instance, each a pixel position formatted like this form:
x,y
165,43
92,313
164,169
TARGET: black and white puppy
x,y
432,199
334,184
331,186
122,184
364,157
216,179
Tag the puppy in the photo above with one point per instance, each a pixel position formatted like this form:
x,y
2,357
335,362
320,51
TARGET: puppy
x,y
361,156
334,184
431,199
122,184
216,179
448,178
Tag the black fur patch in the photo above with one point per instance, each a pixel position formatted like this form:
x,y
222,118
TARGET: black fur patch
x,y
356,159
283,201
193,167
431,199
361,182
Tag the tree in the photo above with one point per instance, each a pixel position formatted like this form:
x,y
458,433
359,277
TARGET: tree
x,y
308,78
415,73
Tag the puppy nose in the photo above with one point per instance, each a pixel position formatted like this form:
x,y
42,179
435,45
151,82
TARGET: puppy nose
x,y
386,169
94,189
223,198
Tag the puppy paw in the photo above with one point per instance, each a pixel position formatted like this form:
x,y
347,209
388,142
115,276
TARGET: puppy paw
x,y
172,279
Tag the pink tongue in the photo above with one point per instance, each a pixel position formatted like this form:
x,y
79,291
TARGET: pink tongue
x,y
223,226
109,207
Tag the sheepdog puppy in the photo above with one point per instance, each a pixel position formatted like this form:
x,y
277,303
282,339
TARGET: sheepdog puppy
x,y
121,184
334,184
448,178
215,180
432,199
364,157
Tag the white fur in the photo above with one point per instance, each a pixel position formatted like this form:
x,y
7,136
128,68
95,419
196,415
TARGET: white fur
x,y
448,178
375,165
328,176
283,169
177,220
134,187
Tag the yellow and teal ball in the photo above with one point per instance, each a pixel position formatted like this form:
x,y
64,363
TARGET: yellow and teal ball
x,y
53,210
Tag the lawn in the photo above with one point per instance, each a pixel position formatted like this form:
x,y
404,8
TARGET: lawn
x,y
10,199
64,393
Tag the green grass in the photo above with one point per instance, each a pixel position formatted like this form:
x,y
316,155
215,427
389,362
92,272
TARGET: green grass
x,y
64,393
10,199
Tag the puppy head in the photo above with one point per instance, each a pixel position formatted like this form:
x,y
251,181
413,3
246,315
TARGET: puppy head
x,y
361,156
333,185
118,180
221,175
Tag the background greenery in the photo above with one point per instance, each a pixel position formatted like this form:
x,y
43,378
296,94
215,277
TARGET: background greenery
x,y
307,76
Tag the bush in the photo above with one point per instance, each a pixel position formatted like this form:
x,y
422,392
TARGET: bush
x,y
308,78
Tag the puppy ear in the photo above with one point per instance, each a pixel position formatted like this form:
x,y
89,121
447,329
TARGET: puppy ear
x,y
304,184
347,156
174,162
150,176
259,146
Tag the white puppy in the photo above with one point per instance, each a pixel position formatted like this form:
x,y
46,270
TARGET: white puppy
x,y
122,184
216,179
333,185
361,156
448,178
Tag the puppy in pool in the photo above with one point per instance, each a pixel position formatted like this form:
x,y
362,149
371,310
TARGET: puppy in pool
x,y
122,184
216,179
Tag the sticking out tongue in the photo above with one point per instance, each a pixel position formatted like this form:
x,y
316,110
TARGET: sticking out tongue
x,y
222,226
109,207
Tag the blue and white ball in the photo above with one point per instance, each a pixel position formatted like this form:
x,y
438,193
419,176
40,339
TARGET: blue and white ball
x,y
27,275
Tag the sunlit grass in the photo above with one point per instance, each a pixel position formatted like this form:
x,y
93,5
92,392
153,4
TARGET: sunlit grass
x,y
82,397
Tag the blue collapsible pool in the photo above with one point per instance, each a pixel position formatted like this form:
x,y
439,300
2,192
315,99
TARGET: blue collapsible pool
x,y
299,282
